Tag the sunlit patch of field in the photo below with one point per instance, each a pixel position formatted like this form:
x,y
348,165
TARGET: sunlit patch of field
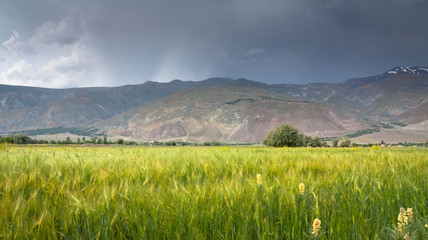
x,y
211,193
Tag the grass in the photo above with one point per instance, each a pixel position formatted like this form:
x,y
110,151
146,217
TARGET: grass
x,y
209,192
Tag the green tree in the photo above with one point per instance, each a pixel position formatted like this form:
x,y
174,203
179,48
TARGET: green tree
x,y
316,142
105,140
21,139
120,141
335,142
324,144
345,143
283,135
68,140
78,140
304,140
8,139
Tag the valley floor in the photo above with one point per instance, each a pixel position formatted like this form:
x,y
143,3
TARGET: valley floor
x,y
393,136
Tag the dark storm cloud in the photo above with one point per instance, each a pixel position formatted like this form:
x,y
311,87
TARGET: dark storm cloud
x,y
65,32
273,40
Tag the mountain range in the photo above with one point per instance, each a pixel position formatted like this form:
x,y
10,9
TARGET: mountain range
x,y
224,109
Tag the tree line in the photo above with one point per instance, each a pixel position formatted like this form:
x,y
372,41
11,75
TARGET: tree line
x,y
24,139
282,136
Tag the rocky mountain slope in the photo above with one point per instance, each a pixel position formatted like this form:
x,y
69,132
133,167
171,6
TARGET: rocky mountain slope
x,y
237,112
379,98
24,108
222,109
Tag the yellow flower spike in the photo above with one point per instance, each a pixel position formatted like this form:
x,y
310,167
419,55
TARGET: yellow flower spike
x,y
301,188
410,214
259,179
402,220
316,227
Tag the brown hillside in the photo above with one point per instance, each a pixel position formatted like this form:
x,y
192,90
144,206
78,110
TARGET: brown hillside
x,y
235,112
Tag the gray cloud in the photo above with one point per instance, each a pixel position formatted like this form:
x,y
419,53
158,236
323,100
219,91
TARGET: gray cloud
x,y
273,41
58,54
15,45
67,31
58,72
255,52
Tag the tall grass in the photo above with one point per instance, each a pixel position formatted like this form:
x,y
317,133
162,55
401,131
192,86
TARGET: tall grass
x,y
208,192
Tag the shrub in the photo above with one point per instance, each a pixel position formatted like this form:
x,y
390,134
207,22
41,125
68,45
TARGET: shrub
x,y
345,143
284,135
334,142
316,142
21,139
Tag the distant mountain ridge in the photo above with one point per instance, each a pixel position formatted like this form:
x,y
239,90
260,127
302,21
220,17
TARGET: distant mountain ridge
x,y
382,97
236,112
412,70
23,108
222,108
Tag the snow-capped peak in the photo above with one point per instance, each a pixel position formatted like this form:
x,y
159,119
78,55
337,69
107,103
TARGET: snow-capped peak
x,y
409,70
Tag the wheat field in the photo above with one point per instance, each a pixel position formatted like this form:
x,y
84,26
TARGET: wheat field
x,y
212,193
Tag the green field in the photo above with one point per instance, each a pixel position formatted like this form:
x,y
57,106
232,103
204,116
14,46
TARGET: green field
x,y
211,192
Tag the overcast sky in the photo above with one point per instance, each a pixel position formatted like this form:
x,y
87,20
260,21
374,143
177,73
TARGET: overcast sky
x,y
54,43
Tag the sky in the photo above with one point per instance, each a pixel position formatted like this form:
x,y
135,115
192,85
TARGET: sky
x,y
82,43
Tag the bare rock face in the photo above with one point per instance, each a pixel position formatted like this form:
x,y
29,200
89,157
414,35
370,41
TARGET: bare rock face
x,y
416,115
231,113
162,131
